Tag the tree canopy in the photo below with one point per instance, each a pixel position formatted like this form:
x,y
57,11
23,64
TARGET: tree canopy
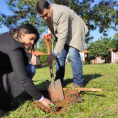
x,y
101,47
102,15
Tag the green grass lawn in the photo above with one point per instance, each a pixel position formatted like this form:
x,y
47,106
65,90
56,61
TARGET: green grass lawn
x,y
96,104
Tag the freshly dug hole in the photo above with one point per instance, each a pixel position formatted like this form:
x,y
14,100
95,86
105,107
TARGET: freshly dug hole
x,y
71,97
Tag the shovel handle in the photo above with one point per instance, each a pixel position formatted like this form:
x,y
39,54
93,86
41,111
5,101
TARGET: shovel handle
x,y
52,76
48,50
51,70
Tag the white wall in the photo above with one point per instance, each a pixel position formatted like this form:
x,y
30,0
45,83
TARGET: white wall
x,y
82,56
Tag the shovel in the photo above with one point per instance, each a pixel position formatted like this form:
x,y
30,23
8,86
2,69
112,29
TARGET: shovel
x,y
54,87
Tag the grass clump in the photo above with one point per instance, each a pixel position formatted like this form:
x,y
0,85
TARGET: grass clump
x,y
96,104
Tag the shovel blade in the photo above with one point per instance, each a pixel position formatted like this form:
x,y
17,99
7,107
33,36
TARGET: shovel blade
x,y
55,90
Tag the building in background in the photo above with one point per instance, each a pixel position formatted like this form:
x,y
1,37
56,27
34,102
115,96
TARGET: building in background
x,y
35,58
114,55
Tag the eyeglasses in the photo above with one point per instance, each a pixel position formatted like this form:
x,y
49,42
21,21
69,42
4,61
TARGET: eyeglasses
x,y
44,15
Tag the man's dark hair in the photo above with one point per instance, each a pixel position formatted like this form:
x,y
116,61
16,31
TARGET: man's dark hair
x,y
41,5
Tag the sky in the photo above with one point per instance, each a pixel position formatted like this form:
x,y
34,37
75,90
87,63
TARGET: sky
x,y
95,33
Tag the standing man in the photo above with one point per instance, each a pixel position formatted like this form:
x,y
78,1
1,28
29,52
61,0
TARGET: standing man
x,y
69,30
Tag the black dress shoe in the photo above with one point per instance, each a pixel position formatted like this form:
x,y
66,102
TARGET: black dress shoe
x,y
10,107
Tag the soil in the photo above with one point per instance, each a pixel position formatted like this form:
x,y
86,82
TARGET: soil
x,y
71,97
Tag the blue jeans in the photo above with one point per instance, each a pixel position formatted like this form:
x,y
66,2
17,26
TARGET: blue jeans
x,y
76,65
30,70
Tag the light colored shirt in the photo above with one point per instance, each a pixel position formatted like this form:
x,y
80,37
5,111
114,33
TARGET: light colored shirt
x,y
40,99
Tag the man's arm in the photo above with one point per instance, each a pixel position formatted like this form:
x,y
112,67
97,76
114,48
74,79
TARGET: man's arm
x,y
17,62
62,29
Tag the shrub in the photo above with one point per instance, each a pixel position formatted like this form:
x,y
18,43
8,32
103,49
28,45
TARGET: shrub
x,y
84,62
43,59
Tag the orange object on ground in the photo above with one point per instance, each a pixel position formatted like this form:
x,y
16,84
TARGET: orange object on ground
x,y
87,89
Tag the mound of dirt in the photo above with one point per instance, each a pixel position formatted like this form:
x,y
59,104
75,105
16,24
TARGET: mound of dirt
x,y
71,97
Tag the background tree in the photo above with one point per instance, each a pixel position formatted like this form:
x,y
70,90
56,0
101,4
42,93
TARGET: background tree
x,y
99,48
103,15
114,43
42,46
0,22
116,40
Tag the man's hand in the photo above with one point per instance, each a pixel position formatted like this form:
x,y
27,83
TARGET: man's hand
x,y
46,102
50,58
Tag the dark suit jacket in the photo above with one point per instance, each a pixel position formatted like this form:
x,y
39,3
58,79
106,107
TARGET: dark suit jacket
x,y
13,75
